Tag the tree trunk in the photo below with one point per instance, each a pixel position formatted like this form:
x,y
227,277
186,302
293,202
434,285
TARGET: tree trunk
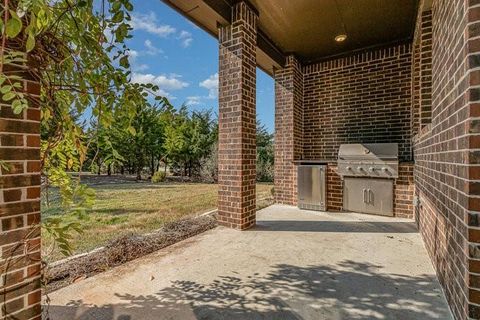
x,y
109,170
139,173
122,170
152,165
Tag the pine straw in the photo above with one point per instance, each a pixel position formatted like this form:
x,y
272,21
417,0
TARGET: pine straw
x,y
124,249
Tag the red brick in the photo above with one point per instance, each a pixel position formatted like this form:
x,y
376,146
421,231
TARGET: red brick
x,y
12,195
33,166
237,142
22,279
33,114
34,297
33,141
13,168
11,140
33,193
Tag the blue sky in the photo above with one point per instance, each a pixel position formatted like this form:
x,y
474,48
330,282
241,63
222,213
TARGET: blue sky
x,y
182,60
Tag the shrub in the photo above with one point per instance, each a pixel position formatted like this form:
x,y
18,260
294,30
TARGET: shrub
x,y
159,176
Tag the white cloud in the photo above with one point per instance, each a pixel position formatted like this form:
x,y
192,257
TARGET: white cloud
x,y
151,49
136,67
133,54
193,100
149,23
186,38
164,82
139,67
211,84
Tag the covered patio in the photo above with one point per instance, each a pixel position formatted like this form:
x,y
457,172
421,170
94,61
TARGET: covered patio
x,y
346,72
293,265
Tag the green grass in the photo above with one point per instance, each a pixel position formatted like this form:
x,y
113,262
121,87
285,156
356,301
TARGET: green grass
x,y
130,207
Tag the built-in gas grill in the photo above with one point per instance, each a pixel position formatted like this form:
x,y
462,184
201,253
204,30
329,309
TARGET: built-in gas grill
x,y
368,172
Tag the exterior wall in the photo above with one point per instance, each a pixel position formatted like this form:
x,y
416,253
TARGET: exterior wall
x,y
237,119
426,69
422,72
288,129
20,266
447,169
361,98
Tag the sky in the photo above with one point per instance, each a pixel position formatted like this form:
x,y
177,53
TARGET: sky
x,y
182,59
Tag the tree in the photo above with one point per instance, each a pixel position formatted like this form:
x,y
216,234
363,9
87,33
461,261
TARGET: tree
x,y
76,48
188,139
265,154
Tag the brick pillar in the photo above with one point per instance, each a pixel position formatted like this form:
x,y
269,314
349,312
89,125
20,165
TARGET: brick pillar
x,y
20,205
237,114
288,129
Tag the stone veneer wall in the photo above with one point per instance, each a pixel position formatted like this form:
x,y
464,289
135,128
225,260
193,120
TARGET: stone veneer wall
x,y
20,265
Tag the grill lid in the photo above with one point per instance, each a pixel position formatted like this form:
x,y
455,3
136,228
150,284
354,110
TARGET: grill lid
x,y
372,151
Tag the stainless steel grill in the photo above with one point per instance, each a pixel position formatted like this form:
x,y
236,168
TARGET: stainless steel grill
x,y
368,171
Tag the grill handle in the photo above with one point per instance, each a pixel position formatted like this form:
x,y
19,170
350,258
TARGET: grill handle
x,y
365,200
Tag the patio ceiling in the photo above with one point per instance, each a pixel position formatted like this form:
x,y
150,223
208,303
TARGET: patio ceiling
x,y
308,28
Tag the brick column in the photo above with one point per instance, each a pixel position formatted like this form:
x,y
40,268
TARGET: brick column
x,y
237,114
20,205
288,129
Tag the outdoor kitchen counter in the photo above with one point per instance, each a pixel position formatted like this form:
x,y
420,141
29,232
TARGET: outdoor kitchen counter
x,y
317,161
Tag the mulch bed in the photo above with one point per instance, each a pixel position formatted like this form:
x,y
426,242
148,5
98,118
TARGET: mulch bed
x,y
122,250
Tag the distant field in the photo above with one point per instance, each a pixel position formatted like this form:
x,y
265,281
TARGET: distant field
x,y
124,207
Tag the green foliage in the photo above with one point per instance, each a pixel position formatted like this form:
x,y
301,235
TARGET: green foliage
x,y
265,154
159,176
78,53
188,139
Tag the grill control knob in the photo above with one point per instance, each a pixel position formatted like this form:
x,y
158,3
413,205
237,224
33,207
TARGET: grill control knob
x,y
349,168
385,169
371,169
360,168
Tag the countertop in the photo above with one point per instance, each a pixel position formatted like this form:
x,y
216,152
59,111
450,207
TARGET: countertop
x,y
314,161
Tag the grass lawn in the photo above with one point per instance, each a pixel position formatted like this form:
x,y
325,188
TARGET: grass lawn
x,y
124,207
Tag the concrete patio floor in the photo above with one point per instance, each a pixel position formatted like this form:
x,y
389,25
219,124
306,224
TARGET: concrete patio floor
x,y
293,265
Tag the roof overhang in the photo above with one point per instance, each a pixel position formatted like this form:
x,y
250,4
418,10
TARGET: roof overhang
x,y
307,28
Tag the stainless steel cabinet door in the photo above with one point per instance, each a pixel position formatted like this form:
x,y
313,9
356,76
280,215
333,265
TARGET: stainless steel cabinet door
x,y
311,187
368,196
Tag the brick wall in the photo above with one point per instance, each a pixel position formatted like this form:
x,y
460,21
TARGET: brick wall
x,y
422,72
237,114
288,129
334,188
361,98
404,191
20,206
426,69
447,169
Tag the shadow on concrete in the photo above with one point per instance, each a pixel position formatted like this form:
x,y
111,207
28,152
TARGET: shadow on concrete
x,y
348,290
336,226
